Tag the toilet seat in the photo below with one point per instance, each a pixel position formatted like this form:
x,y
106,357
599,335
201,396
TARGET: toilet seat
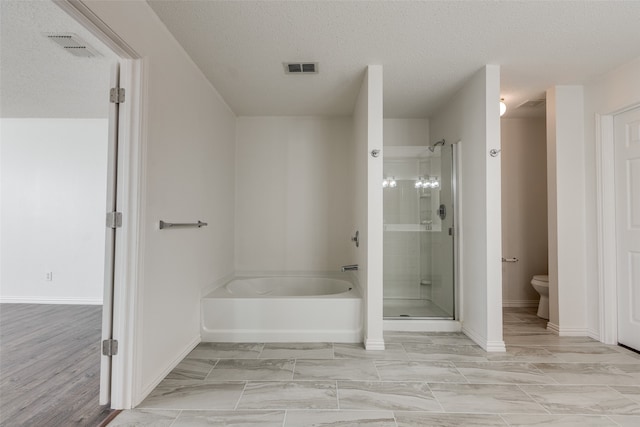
x,y
542,278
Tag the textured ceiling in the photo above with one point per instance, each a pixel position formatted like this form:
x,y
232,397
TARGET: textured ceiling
x,y
37,77
428,49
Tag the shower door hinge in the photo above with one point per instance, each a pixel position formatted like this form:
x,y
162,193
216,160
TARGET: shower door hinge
x,y
114,219
116,95
110,347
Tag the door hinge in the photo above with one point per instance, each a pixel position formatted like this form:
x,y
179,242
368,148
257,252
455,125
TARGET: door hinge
x,y
114,219
451,231
116,95
109,347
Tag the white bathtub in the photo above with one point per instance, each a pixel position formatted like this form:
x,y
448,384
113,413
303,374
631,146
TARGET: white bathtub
x,y
283,309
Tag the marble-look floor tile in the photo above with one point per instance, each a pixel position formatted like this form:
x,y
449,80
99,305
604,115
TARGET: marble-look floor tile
x,y
453,339
393,396
144,418
520,420
633,370
289,395
628,391
392,351
253,369
591,354
192,369
524,328
626,420
335,369
546,339
628,352
503,373
422,419
297,351
339,419
230,418
524,354
484,398
224,350
194,394
581,399
470,353
587,373
429,371
401,337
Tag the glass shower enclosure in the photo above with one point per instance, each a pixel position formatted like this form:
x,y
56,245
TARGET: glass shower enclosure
x,y
418,195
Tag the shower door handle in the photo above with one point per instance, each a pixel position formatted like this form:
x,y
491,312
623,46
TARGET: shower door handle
x,y
442,212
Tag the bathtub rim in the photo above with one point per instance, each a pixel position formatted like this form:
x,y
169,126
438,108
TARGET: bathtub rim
x,y
350,277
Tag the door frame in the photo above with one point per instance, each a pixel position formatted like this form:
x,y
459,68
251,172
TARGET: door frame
x,y
130,195
606,224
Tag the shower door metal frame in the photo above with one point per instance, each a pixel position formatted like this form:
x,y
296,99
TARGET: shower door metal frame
x,y
456,236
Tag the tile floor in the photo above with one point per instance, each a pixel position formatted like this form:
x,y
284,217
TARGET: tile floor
x,y
421,379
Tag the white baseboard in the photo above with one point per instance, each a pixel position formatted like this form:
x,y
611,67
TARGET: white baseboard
x,y
520,303
489,346
375,345
495,347
49,300
571,332
420,325
552,327
259,335
147,390
592,333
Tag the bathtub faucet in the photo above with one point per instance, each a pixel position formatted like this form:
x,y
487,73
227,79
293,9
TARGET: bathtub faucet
x,y
352,267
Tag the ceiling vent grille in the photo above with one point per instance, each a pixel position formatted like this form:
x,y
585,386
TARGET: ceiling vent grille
x,y
73,44
301,68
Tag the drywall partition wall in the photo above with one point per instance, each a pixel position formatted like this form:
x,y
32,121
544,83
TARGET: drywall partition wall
x,y
616,90
471,116
524,208
567,233
294,188
53,201
189,157
368,136
403,132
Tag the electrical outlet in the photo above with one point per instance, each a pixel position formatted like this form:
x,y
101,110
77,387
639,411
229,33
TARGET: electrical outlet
x,y
49,276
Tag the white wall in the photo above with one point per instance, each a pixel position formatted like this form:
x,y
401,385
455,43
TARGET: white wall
x,y
524,207
567,231
404,132
368,135
53,201
472,117
616,90
294,187
189,153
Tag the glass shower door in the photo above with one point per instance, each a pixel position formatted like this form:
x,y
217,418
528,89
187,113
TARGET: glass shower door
x,y
418,266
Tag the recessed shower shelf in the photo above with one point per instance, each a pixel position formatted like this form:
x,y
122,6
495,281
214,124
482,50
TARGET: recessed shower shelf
x,y
412,227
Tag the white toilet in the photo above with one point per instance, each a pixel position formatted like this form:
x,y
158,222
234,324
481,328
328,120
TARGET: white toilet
x,y
541,285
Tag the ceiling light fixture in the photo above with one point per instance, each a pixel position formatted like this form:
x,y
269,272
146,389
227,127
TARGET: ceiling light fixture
x,y
503,107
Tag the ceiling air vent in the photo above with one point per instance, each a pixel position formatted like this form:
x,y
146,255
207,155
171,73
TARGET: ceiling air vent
x,y
73,44
301,68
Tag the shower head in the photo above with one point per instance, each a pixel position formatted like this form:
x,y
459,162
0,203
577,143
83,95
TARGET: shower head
x,y
432,148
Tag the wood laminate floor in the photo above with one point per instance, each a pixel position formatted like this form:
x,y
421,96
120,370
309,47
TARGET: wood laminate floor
x,y
50,365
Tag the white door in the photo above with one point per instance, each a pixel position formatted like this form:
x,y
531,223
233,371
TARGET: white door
x,y
110,241
627,170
